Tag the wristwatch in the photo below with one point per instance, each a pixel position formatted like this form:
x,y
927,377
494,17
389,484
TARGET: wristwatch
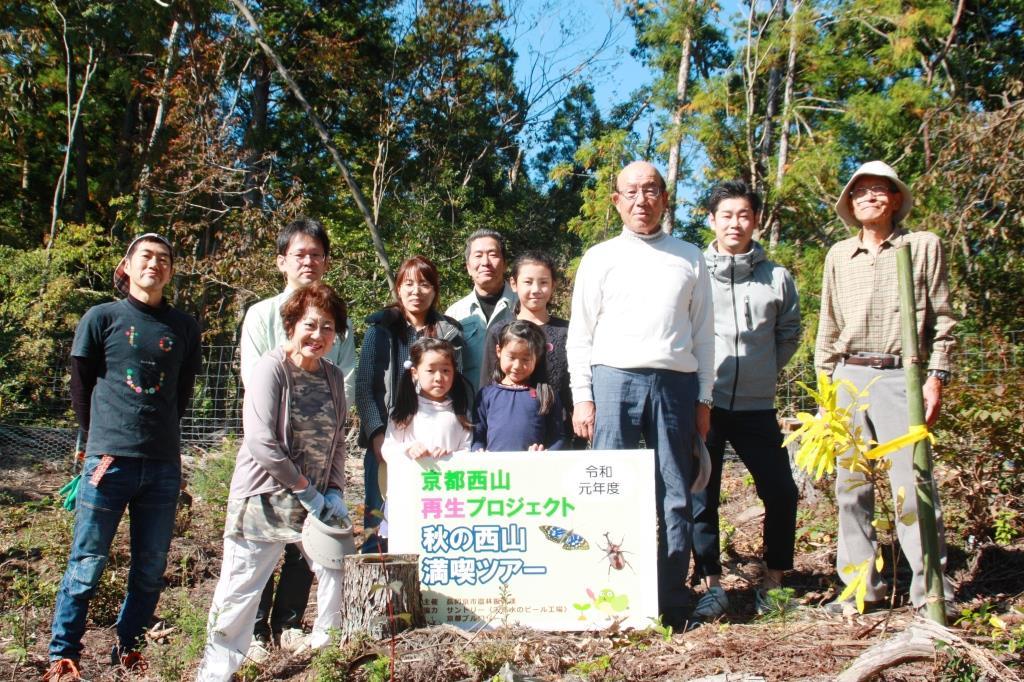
x,y
940,374
707,402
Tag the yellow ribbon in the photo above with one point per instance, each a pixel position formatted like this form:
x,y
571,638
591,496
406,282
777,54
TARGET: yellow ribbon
x,y
914,434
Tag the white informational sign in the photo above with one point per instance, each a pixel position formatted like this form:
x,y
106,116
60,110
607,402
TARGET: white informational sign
x,y
552,540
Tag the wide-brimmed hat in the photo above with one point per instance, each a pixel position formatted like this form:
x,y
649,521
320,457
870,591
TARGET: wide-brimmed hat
x,y
878,169
120,276
327,542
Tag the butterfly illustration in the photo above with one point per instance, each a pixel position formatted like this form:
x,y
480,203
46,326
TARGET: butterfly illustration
x,y
566,538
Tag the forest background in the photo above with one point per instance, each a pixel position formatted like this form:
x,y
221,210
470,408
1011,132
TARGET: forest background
x,y
118,118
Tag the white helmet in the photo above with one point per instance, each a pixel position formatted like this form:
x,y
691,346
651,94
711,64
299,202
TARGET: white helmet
x,y
327,543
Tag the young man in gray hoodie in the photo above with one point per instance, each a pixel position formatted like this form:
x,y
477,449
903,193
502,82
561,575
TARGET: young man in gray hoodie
x,y
757,330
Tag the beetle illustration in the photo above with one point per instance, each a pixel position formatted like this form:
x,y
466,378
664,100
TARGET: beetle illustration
x,y
615,554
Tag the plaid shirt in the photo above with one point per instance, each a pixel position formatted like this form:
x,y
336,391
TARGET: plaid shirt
x,y
860,302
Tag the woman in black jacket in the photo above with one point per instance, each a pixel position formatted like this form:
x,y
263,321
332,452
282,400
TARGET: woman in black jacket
x,y
385,350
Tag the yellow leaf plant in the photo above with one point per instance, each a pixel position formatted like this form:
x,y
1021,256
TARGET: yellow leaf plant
x,y
830,436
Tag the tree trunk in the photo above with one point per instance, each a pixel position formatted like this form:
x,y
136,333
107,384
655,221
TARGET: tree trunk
x,y
256,135
158,124
749,76
325,138
382,594
771,107
126,144
81,156
774,227
682,84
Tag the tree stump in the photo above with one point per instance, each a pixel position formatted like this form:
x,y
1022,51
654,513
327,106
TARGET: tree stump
x,y
372,581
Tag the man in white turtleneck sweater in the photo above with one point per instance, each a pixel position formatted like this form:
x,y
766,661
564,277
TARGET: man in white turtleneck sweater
x,y
641,352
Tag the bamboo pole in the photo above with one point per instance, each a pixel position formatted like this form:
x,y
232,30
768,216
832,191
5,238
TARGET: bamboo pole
x,y
925,487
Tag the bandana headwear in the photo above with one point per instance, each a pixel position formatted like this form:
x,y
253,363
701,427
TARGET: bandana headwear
x,y
120,276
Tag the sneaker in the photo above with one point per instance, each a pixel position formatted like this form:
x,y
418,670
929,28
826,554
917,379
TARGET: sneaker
x,y
294,640
763,603
712,604
63,670
848,607
258,651
677,619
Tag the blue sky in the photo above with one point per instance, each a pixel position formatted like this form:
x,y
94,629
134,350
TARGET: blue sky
x,y
560,33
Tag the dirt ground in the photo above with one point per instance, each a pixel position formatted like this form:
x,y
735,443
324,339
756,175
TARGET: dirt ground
x,y
802,644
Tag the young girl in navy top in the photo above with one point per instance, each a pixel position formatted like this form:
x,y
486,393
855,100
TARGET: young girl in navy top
x,y
534,278
519,411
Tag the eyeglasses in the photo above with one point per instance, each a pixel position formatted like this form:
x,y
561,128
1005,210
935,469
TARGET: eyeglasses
x,y
874,190
311,257
649,191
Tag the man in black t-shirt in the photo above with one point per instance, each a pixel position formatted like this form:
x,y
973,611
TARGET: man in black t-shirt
x,y
133,368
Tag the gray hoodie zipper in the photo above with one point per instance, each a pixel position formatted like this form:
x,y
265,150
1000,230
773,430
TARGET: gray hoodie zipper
x,y
736,322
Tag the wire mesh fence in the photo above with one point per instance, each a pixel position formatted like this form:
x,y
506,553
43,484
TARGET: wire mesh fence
x,y
44,427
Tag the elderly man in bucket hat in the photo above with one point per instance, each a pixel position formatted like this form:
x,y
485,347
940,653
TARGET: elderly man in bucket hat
x,y
859,340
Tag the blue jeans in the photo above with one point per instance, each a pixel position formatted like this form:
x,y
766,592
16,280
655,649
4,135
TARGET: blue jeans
x,y
658,405
373,501
757,440
148,489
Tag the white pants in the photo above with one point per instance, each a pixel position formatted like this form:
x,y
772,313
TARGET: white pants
x,y
247,566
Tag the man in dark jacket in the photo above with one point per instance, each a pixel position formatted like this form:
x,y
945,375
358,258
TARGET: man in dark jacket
x,y
757,330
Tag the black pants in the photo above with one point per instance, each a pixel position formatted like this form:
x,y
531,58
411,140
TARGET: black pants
x,y
756,438
287,609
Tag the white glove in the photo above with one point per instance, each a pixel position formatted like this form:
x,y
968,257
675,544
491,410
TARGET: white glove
x,y
334,505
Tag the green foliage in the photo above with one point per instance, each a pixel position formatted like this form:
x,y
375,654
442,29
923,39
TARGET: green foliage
x,y
29,596
331,663
28,530
378,670
211,479
485,658
981,439
780,604
586,668
39,308
662,630
1004,529
186,618
956,667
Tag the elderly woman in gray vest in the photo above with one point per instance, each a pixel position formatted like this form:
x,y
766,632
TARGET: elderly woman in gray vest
x,y
291,463
389,335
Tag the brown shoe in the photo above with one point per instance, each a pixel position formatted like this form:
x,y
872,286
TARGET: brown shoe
x,y
131,661
63,670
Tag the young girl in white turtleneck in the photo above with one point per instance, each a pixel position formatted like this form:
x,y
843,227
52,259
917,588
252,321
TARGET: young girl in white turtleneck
x,y
430,417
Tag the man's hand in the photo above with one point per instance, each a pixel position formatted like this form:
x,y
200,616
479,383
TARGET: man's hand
x,y
583,419
703,420
375,444
536,447
932,391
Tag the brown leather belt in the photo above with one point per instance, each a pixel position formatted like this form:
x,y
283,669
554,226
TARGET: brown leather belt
x,y
875,360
